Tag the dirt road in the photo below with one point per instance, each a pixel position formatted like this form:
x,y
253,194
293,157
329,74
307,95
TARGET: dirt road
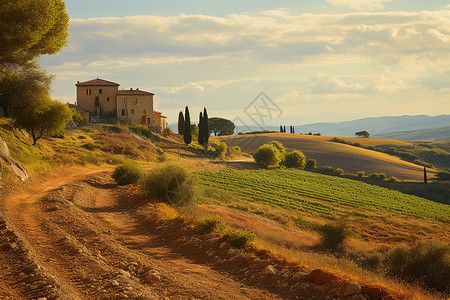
x,y
79,236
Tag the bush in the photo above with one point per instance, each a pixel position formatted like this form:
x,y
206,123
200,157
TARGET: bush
x,y
427,262
167,131
171,183
268,155
311,164
279,146
381,176
334,235
220,148
236,150
393,179
294,159
373,176
339,171
361,174
127,174
239,238
209,224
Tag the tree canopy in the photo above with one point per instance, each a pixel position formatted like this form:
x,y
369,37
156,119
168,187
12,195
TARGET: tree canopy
x,y
221,126
30,28
363,133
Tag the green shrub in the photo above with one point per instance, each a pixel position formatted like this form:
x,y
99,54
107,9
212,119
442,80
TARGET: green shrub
x,y
339,171
393,179
209,224
220,148
427,262
381,176
334,235
310,164
279,146
127,174
373,176
239,238
167,131
369,260
171,183
267,155
236,150
361,174
294,159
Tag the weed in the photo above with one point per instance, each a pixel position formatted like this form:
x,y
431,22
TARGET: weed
x,y
127,174
209,224
239,238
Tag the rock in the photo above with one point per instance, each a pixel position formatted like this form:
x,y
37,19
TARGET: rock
x,y
372,291
299,275
321,277
151,277
351,289
269,270
114,283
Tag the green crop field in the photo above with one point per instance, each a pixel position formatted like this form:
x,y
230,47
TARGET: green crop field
x,y
320,194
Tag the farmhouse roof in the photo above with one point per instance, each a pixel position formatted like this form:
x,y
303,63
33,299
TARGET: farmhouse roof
x,y
97,81
133,92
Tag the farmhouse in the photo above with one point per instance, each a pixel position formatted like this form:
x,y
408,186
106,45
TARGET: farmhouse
x,y
103,99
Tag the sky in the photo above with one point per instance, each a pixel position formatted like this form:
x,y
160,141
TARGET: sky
x,y
264,62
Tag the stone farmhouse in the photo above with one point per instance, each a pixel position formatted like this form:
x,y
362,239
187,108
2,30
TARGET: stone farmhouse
x,y
102,99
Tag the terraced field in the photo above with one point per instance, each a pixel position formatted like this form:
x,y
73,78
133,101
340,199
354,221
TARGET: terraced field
x,y
320,194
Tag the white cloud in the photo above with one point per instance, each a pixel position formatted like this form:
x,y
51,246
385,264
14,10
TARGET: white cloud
x,y
360,4
224,62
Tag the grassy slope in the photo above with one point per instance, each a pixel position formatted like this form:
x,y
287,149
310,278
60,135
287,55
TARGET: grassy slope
x,y
349,158
298,190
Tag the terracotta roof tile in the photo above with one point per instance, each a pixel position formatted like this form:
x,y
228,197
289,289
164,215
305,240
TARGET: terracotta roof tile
x,y
133,92
97,81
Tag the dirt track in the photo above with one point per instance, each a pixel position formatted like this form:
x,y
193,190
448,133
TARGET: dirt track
x,y
80,237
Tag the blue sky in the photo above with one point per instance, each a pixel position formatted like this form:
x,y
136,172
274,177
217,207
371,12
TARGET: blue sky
x,y
318,61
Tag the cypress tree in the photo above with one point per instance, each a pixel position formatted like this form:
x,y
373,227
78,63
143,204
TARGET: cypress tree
x,y
284,129
187,127
293,129
180,123
425,179
281,128
205,127
201,129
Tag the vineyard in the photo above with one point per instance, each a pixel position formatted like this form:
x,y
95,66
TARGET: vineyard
x,y
320,194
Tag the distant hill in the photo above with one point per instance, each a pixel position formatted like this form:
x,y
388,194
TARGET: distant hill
x,y
377,126
434,134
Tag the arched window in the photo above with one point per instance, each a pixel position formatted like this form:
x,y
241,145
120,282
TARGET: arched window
x,y
123,112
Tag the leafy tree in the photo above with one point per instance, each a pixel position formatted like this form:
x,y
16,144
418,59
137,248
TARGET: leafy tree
x,y
279,146
363,133
187,127
76,117
311,164
180,123
221,126
30,28
194,130
48,118
206,127
294,159
22,86
201,128
268,155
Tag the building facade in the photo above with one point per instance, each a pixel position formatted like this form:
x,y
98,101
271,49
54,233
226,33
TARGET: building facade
x,y
103,99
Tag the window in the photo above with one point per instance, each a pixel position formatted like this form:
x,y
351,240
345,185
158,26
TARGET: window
x,y
145,111
107,99
97,101
135,100
132,111
100,91
123,112
88,91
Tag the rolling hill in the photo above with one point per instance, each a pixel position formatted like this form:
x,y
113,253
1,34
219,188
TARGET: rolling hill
x,y
349,158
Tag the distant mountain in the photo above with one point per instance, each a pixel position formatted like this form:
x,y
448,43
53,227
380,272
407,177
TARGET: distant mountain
x,y
376,126
435,134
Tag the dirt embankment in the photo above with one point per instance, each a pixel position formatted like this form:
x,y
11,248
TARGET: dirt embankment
x,y
80,236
